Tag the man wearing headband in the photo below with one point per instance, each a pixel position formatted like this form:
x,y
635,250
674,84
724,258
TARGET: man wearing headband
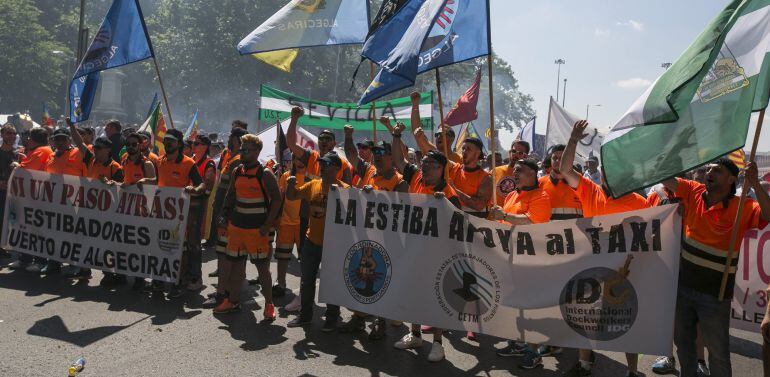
x,y
428,179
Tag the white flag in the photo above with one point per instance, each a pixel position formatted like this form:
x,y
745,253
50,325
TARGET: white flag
x,y
560,124
304,139
527,133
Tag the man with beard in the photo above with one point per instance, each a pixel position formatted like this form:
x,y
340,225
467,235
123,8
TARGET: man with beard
x,y
596,201
136,166
503,175
176,170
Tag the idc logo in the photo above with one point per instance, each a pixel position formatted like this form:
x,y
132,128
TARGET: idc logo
x,y
600,303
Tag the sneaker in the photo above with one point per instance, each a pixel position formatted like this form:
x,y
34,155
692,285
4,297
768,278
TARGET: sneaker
x,y
409,341
138,284
254,283
665,365
195,286
294,306
269,312
213,301
378,330
17,265
471,336
329,325
214,274
436,352
425,328
356,324
226,307
298,322
34,268
512,349
544,351
531,360
50,269
278,291
577,371
703,369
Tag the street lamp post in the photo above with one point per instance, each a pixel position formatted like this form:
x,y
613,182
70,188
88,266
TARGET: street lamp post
x,y
588,106
564,94
665,65
558,63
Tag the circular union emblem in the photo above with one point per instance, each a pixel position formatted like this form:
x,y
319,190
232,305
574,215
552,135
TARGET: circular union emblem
x,y
367,271
467,288
599,303
505,186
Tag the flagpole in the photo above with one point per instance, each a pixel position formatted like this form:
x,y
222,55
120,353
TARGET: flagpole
x,y
744,192
547,128
374,108
441,121
163,90
492,139
279,151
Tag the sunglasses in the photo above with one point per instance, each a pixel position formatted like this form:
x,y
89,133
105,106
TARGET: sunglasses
x,y
99,147
379,152
518,153
132,144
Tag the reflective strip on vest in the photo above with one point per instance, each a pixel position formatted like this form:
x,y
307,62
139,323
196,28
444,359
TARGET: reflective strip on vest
x,y
702,266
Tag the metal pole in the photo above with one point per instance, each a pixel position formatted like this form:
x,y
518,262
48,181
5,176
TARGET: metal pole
x,y
441,123
558,63
81,22
744,192
587,105
564,95
163,90
374,108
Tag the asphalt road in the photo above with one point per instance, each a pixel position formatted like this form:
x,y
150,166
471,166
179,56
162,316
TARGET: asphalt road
x,y
48,322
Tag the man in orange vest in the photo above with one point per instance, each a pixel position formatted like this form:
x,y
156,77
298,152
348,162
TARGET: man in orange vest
x,y
252,204
177,170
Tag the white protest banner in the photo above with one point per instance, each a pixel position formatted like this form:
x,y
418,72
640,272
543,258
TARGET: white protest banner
x,y
90,224
751,280
418,259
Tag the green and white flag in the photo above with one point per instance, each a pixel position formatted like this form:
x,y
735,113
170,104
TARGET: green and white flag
x,y
276,104
700,108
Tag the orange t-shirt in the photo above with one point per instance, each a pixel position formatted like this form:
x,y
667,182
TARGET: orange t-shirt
x,y
711,226
290,214
69,162
37,159
317,197
535,204
132,171
466,181
503,180
314,168
564,202
176,174
596,203
98,171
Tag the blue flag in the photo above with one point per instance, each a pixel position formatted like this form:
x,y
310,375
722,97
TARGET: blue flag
x,y
122,39
458,33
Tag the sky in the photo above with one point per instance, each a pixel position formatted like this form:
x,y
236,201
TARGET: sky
x,y
613,50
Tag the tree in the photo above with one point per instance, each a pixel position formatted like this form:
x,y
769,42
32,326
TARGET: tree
x,y
31,73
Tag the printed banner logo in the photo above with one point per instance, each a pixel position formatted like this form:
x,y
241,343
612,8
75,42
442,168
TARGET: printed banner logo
x,y
367,271
168,239
467,288
725,77
600,303
506,186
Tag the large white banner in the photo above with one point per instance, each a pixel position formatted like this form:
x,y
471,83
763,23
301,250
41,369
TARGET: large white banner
x,y
753,276
89,224
606,283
